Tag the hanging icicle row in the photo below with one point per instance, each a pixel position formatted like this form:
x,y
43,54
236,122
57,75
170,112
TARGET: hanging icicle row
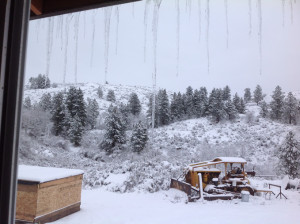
x,y
117,14
76,33
107,19
199,14
260,34
147,5
154,31
178,36
93,36
207,34
250,17
226,17
49,43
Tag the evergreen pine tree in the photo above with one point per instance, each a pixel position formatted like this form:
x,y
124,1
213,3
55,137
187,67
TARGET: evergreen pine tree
x,y
75,131
139,138
189,102
257,94
226,93
242,106
216,105
100,92
289,156
197,103
27,103
135,104
230,109
149,111
290,109
277,104
237,102
58,114
247,95
125,112
46,102
111,96
92,112
204,101
174,108
163,108
114,130
264,110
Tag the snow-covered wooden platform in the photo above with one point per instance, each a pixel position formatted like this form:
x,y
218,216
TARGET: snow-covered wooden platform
x,y
46,194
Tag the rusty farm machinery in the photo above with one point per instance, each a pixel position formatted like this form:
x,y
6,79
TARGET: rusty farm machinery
x,y
222,178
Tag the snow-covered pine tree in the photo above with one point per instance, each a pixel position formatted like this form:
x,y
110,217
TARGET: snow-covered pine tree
x,y
264,109
289,156
197,103
111,96
163,108
180,106
189,102
58,113
237,102
27,103
149,111
46,102
139,137
277,104
174,112
125,112
204,101
76,104
134,104
230,109
216,105
290,109
76,130
258,95
226,93
247,95
100,92
92,112
114,130
242,106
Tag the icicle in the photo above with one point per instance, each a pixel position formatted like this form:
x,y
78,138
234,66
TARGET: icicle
x,y
67,28
178,35
226,17
199,13
107,18
260,35
62,32
189,7
154,30
132,4
283,12
93,36
207,35
292,11
37,28
49,44
84,23
147,4
117,12
250,17
76,31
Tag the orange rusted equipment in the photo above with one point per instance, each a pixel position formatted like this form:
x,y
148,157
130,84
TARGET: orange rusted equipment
x,y
220,178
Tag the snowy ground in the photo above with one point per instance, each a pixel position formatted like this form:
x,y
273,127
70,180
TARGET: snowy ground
x,y
100,206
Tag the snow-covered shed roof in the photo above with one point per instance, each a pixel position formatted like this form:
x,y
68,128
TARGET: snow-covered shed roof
x,y
44,174
206,169
229,160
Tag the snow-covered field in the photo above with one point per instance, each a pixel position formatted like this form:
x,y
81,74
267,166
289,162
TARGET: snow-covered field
x,y
100,206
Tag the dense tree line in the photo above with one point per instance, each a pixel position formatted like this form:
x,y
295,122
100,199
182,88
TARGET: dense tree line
x,y
40,82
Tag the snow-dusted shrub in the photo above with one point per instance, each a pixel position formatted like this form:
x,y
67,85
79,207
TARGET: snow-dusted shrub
x,y
250,118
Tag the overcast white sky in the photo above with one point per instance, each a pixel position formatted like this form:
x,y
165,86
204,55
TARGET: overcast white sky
x,y
237,66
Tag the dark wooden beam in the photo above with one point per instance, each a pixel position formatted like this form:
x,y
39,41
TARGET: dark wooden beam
x,y
59,7
14,19
37,7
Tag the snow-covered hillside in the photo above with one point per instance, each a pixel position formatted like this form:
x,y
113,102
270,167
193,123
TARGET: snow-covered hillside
x,y
122,93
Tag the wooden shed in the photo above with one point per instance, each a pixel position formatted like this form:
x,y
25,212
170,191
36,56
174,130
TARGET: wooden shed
x,y
47,194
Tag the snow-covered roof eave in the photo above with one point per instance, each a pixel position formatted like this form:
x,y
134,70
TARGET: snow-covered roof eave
x,y
229,160
44,174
